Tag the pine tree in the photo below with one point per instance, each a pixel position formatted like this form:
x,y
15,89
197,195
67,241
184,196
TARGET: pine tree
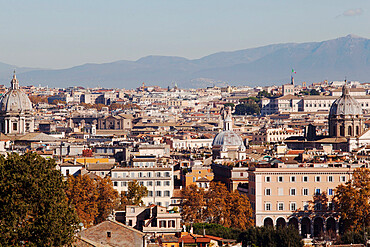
x,y
33,204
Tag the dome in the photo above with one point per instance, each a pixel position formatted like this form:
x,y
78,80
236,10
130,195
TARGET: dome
x,y
345,105
227,138
15,100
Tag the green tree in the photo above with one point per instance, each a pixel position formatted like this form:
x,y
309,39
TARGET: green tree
x,y
270,237
352,200
134,195
33,204
247,109
216,230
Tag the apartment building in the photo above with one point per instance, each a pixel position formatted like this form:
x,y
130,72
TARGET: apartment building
x,y
158,181
278,194
275,135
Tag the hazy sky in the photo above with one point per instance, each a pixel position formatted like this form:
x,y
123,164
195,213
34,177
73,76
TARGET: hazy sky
x,y
60,34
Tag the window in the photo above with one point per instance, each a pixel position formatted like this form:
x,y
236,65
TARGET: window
x,y
330,192
267,192
67,172
14,126
267,179
149,174
109,234
158,183
293,206
292,179
330,178
167,174
115,183
130,222
318,206
171,223
158,193
241,174
280,179
268,206
149,183
280,206
292,192
167,183
150,193
317,179
305,192
342,178
141,183
305,205
167,193
158,174
317,191
140,174
162,224
132,210
305,179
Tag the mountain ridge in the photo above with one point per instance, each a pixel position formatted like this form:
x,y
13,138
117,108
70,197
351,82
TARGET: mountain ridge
x,y
333,59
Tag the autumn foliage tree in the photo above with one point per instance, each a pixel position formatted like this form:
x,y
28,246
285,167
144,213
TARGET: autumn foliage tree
x,y
94,199
352,200
217,205
33,203
193,205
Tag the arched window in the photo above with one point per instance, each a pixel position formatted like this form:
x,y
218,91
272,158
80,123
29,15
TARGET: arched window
x,y
350,130
341,130
357,130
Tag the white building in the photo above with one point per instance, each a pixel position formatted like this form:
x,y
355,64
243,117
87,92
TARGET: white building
x,y
158,181
275,135
191,143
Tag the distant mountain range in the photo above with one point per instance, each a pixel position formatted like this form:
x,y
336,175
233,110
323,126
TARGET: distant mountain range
x,y
315,61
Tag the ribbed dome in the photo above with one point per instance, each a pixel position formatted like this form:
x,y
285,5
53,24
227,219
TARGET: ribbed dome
x,y
15,100
345,105
227,138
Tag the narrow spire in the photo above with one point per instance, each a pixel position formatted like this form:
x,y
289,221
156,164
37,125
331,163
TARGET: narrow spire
x,y
14,83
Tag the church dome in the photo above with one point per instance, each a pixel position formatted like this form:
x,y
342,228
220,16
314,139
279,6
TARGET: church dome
x,y
345,105
228,138
15,100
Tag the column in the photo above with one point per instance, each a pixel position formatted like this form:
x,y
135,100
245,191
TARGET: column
x,y
10,126
6,126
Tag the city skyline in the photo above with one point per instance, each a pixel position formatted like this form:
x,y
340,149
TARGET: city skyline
x,y
61,35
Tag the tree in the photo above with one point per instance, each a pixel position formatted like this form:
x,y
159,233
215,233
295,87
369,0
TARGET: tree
x,y
352,200
247,108
193,204
35,99
217,205
93,199
239,210
216,230
134,195
33,203
270,237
